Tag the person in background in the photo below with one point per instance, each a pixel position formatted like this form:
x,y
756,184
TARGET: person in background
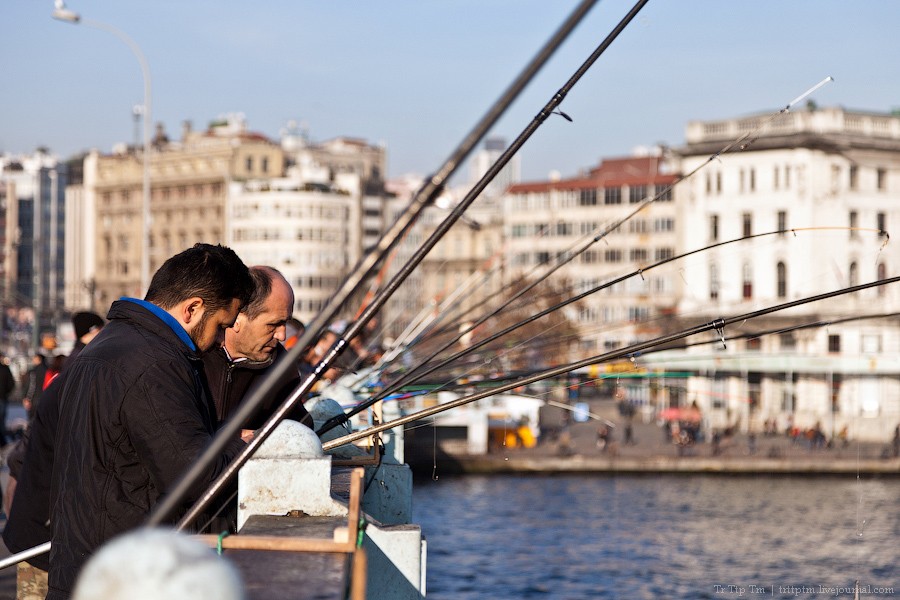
x,y
134,408
53,369
33,383
7,385
30,463
86,325
295,329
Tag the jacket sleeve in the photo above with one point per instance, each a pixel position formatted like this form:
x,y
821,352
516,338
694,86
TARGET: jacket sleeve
x,y
169,426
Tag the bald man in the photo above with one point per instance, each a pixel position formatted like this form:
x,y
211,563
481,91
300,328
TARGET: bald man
x,y
251,346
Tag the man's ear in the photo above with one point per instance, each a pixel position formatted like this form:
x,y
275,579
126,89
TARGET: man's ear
x,y
239,322
192,310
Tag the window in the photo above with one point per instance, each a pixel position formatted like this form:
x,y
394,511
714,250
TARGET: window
x,y
747,287
636,193
854,223
639,255
754,387
775,177
752,180
664,254
781,275
612,256
747,224
836,381
638,226
249,163
834,344
881,273
854,177
612,195
664,193
665,224
713,281
714,228
265,164
881,223
563,228
854,274
787,340
782,221
754,344
588,198
787,177
719,183
881,179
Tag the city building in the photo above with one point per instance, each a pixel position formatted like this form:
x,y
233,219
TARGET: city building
x,y
576,221
32,209
814,194
188,198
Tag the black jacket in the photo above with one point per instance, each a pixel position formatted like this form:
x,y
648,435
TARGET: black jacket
x,y
7,382
134,416
231,380
31,501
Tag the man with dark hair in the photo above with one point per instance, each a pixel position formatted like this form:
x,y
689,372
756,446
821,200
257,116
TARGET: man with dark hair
x,y
253,345
86,325
134,412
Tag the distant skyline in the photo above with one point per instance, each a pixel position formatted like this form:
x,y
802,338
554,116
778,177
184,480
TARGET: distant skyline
x,y
416,75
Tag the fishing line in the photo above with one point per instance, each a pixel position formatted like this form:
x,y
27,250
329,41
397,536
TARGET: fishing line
x,y
422,371
362,272
624,352
741,142
501,161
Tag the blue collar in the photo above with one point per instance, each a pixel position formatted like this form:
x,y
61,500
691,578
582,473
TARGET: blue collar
x,y
167,319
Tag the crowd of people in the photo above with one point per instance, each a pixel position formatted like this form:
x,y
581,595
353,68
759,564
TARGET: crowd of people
x,y
113,426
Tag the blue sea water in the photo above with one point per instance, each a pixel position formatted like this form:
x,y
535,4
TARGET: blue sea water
x,y
642,537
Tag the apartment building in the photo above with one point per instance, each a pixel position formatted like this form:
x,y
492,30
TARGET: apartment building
x,y
550,221
814,196
188,198
32,238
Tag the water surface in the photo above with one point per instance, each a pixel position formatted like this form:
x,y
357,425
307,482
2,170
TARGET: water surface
x,y
586,536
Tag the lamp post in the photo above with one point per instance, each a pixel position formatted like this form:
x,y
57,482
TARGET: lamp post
x,y
61,13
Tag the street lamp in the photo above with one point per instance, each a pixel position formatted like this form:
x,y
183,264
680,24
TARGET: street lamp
x,y
62,13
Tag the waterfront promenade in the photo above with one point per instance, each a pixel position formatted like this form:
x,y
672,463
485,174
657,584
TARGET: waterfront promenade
x,y
574,448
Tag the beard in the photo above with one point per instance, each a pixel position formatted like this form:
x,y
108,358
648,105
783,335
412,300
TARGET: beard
x,y
197,333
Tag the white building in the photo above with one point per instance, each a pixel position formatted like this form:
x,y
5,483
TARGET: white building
x,y
823,186
545,220
309,232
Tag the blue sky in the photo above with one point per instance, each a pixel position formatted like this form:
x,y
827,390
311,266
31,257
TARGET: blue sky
x,y
417,74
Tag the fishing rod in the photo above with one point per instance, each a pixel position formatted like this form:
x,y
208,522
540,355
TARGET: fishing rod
x,y
717,325
502,160
423,198
741,142
423,370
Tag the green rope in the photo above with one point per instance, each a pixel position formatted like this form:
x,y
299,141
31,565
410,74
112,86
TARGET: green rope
x,y
222,536
361,532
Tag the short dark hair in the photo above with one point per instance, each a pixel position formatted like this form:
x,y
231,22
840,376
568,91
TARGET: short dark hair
x,y
262,279
213,273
